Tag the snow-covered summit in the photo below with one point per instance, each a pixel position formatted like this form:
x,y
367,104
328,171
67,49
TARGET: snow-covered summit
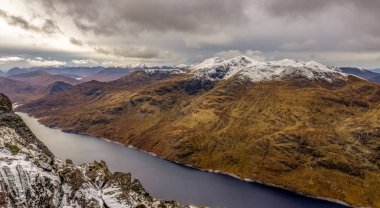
x,y
256,71
209,63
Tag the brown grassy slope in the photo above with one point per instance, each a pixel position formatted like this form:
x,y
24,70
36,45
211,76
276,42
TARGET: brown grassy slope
x,y
316,139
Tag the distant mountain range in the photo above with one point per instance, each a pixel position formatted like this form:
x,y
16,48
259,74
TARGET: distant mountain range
x,y
109,74
31,85
42,78
363,73
297,125
77,71
112,73
377,70
33,82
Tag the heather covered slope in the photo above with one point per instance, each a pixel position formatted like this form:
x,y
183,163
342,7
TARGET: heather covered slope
x,y
309,131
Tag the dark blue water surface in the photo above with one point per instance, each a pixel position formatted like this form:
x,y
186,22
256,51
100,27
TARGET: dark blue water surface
x,y
167,180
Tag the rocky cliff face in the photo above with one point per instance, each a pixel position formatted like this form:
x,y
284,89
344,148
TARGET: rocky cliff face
x,y
30,175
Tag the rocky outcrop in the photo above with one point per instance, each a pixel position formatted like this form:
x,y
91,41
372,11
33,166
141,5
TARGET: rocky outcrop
x,y
30,175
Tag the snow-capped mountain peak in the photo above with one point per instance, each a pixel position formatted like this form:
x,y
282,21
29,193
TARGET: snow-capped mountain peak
x,y
247,68
208,63
242,60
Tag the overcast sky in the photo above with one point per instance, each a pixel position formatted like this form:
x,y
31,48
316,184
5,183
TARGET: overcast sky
x,y
122,32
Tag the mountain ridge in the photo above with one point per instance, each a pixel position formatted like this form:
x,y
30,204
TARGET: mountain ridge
x,y
256,71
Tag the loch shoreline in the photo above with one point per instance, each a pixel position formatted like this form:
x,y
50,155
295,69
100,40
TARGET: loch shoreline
x,y
248,180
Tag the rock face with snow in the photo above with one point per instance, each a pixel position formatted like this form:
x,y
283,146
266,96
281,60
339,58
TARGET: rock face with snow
x,y
30,175
246,68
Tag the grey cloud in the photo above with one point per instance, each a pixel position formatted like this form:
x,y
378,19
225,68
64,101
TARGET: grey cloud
x,y
182,15
353,14
151,15
49,26
299,7
295,46
138,53
133,52
369,5
358,8
197,29
102,51
363,43
76,41
367,16
98,27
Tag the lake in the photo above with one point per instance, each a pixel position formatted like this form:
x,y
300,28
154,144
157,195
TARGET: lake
x,y
167,180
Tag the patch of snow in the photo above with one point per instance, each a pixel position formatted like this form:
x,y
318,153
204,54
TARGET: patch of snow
x,y
171,71
209,63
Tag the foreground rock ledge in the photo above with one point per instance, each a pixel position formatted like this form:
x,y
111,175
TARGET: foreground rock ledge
x,y
30,175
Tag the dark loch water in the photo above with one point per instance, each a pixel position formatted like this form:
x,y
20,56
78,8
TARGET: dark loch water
x,y
167,180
